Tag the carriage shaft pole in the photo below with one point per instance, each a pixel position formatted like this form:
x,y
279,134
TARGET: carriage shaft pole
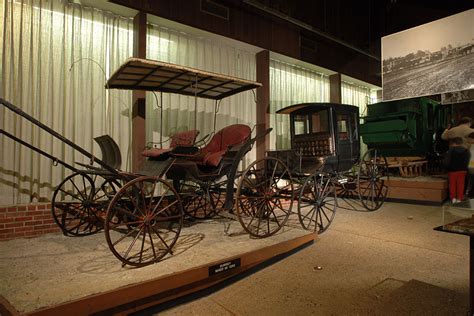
x,y
20,112
54,159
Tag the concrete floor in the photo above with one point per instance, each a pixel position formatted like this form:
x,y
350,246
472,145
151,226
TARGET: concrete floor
x,y
388,262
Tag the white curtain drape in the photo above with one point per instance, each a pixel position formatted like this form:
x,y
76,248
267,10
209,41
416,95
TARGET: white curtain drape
x,y
178,47
356,95
359,96
290,84
53,58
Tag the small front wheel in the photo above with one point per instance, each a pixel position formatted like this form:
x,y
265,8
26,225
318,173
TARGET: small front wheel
x,y
143,221
80,201
317,202
372,180
264,197
201,200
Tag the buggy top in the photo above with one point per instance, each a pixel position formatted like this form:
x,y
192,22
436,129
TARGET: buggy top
x,y
152,75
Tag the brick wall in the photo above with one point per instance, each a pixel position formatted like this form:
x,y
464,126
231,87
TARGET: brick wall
x,y
26,221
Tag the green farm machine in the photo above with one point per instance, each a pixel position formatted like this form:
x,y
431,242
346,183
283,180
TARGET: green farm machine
x,y
406,130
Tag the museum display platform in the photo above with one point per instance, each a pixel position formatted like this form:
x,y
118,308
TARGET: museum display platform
x,y
430,190
58,275
458,219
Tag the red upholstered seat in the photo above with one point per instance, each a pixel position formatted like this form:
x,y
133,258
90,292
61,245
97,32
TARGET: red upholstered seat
x,y
186,138
220,143
155,152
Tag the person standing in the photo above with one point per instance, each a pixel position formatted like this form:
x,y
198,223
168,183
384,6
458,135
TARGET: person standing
x,y
466,133
463,130
457,163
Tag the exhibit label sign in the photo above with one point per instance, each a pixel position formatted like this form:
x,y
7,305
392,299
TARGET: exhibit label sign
x,y
224,267
429,59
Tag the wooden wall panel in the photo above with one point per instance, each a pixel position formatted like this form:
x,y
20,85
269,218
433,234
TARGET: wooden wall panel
x,y
263,101
335,91
253,26
138,97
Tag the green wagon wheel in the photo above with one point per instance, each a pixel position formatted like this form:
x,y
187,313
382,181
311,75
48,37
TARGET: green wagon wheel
x,y
317,203
264,197
143,221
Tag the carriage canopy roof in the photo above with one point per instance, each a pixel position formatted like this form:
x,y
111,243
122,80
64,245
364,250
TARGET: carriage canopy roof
x,y
317,107
152,75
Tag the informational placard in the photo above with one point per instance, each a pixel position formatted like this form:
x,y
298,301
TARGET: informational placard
x,y
429,59
224,266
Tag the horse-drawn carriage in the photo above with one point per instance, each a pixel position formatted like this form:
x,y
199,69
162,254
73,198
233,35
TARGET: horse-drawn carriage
x,y
142,213
324,161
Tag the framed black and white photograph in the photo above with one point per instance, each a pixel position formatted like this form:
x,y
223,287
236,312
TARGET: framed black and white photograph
x,y
457,96
429,59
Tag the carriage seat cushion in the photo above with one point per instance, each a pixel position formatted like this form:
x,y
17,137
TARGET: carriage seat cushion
x,y
181,139
155,152
184,139
213,159
220,143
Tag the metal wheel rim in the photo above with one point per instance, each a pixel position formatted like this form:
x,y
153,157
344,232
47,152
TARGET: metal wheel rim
x,y
318,193
373,196
257,199
83,215
204,202
141,228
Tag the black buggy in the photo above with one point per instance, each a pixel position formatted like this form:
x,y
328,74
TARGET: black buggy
x,y
325,164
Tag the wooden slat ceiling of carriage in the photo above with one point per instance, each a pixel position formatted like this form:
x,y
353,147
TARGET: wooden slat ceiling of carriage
x,y
152,75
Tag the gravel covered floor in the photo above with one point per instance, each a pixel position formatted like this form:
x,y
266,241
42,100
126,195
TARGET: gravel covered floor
x,y
387,262
52,269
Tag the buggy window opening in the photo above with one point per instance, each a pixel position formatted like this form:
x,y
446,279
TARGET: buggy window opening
x,y
342,126
312,122
301,124
353,126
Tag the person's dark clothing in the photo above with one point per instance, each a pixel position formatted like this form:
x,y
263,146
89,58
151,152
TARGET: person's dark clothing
x,y
457,164
458,159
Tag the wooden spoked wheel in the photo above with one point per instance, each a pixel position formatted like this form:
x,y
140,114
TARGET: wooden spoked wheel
x,y
143,221
201,200
372,180
317,202
264,197
80,201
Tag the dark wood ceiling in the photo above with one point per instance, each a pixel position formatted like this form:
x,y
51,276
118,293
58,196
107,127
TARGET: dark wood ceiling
x,y
362,23
343,36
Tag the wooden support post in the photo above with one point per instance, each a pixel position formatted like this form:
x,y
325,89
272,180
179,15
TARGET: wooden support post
x,y
379,95
263,100
335,95
138,97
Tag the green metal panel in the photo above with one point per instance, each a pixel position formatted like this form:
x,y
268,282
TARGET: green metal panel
x,y
403,127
